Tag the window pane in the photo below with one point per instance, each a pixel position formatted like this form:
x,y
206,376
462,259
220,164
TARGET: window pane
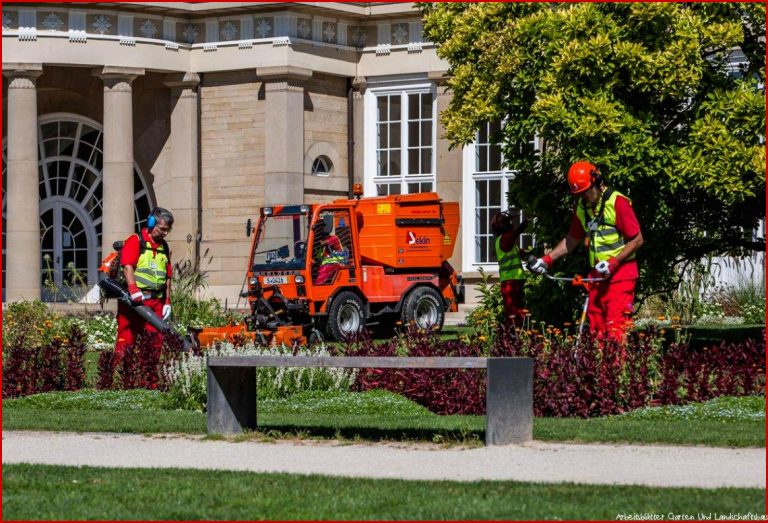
x,y
494,187
413,188
494,128
426,106
383,163
394,108
426,187
483,225
394,188
426,133
382,108
494,159
394,165
383,136
481,194
426,161
413,161
413,106
394,135
482,158
413,134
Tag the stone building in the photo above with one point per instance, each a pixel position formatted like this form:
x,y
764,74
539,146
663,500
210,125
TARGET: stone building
x,y
213,110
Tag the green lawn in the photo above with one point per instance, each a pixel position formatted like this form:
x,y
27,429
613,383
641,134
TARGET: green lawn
x,y
54,492
378,415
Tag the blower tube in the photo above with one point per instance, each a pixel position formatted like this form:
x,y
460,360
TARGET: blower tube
x,y
115,290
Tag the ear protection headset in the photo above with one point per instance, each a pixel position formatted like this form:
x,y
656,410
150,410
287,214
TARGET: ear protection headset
x,y
151,221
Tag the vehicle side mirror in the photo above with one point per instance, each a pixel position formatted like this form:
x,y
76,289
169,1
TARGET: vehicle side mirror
x,y
248,227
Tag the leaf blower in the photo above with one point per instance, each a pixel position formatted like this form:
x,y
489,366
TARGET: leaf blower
x,y
112,287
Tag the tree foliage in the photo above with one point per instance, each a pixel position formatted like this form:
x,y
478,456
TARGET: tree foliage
x,y
647,91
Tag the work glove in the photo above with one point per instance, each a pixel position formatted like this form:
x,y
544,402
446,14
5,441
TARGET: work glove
x,y
137,296
166,312
541,265
607,267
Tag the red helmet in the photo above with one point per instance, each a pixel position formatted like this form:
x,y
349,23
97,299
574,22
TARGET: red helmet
x,y
581,176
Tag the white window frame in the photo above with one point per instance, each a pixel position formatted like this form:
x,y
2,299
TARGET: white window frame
x,y
371,142
468,218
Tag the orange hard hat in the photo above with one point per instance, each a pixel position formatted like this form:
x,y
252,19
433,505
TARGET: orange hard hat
x,y
581,176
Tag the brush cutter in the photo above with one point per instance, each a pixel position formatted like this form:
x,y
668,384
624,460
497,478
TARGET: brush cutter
x,y
577,281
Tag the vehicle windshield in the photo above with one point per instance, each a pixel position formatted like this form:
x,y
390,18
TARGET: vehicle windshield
x,y
282,242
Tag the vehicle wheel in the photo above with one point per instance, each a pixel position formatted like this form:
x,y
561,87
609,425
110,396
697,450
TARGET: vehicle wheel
x,y
425,308
315,338
345,317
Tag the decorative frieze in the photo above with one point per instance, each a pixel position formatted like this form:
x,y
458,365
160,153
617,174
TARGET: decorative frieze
x,y
245,27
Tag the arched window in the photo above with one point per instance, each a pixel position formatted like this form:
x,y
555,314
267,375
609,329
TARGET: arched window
x,y
321,166
71,203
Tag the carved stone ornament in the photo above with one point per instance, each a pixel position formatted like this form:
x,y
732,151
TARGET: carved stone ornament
x,y
263,28
53,22
399,34
101,24
148,29
304,28
190,34
229,31
329,32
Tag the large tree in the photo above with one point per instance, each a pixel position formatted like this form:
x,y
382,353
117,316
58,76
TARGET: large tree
x,y
650,92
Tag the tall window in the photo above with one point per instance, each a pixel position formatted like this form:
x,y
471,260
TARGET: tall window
x,y
486,184
71,203
400,140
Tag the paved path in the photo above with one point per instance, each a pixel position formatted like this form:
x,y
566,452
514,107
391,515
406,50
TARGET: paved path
x,y
664,466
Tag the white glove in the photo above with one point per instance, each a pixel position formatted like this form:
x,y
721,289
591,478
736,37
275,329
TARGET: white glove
x,y
166,312
603,267
539,266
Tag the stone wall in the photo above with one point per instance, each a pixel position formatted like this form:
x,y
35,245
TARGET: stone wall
x,y
232,131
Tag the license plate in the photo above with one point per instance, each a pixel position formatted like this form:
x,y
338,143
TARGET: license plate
x,y
276,280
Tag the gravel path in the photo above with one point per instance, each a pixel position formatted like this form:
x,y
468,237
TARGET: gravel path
x,y
663,466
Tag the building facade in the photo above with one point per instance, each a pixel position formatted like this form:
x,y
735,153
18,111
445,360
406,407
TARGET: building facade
x,y
213,110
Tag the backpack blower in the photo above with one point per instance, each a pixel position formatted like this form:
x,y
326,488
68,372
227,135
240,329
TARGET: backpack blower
x,y
113,286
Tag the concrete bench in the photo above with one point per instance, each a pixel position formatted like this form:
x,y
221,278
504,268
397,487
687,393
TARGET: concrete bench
x,y
509,396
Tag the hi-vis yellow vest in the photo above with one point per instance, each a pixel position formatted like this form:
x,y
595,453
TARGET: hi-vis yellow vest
x,y
510,264
604,240
152,269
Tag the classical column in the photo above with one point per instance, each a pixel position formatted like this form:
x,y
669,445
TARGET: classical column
x,y
178,191
22,276
118,207
284,143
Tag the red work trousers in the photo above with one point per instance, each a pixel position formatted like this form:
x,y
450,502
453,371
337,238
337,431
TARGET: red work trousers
x,y
130,324
513,296
610,307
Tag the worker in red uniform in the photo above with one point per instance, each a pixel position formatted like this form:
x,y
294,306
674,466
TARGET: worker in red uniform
x,y
328,253
145,259
605,220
